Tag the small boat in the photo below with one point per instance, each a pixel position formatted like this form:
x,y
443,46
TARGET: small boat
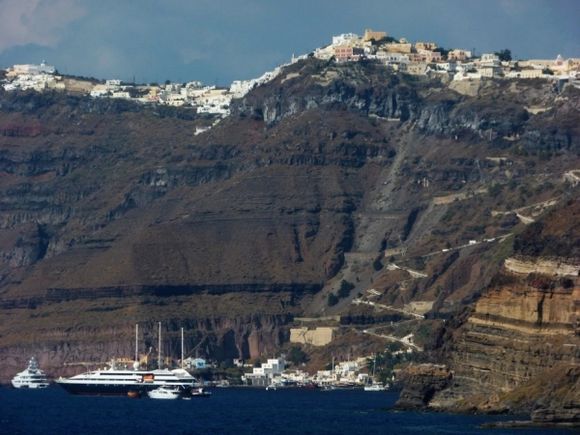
x,y
200,392
134,394
164,393
328,388
32,377
376,387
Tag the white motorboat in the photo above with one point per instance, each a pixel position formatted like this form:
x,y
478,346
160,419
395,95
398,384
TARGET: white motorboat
x,y
200,392
31,378
375,387
164,393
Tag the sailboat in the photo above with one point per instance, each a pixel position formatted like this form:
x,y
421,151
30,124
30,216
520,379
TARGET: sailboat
x,y
375,386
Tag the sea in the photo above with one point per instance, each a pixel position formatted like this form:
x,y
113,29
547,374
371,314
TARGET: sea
x,y
232,411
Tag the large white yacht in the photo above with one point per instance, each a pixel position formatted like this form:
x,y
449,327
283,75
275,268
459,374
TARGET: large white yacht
x,y
136,382
32,377
123,382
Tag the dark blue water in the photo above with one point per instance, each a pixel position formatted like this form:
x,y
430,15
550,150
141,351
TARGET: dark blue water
x,y
228,411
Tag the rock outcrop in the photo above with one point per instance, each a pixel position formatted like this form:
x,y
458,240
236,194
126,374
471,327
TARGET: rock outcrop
x,y
421,383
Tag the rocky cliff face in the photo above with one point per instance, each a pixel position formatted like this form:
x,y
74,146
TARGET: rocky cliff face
x,y
520,343
428,105
113,213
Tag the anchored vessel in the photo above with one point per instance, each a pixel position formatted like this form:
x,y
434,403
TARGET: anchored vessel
x,y
128,382
123,382
32,377
375,387
164,393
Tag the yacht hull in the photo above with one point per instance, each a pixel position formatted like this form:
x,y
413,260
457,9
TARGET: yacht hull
x,y
114,389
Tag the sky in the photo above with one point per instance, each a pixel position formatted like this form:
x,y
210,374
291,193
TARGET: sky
x,y
217,41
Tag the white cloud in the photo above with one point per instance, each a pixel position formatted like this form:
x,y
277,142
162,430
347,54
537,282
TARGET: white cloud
x,y
40,22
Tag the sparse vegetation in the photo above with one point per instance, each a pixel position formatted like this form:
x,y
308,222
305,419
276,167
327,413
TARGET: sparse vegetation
x,y
297,356
504,55
345,288
495,189
332,300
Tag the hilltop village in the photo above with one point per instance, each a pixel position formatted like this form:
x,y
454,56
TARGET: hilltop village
x,y
399,55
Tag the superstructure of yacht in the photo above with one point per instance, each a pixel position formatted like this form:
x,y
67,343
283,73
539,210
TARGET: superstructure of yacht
x,y
113,381
32,377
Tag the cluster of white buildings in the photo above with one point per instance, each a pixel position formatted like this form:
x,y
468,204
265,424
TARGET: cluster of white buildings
x,y
205,99
421,58
37,77
272,373
418,58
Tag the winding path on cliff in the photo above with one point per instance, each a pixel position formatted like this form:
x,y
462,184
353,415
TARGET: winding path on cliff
x,y
405,341
536,209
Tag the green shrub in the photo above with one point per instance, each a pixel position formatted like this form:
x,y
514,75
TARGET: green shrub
x,y
332,300
345,288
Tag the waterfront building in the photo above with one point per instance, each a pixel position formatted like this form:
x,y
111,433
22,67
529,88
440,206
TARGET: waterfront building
x,y
263,375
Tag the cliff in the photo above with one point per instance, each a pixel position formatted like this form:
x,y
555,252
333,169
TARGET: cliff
x,y
113,213
518,350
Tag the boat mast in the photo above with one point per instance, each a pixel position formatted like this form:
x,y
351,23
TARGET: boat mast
x,y
159,348
136,345
181,347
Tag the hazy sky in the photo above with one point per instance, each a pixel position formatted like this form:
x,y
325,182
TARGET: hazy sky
x,y
217,41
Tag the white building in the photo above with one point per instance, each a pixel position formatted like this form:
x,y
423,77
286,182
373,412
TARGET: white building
x,y
344,373
121,94
344,38
467,75
392,57
196,84
100,91
195,363
239,88
489,60
37,82
30,69
528,73
264,375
